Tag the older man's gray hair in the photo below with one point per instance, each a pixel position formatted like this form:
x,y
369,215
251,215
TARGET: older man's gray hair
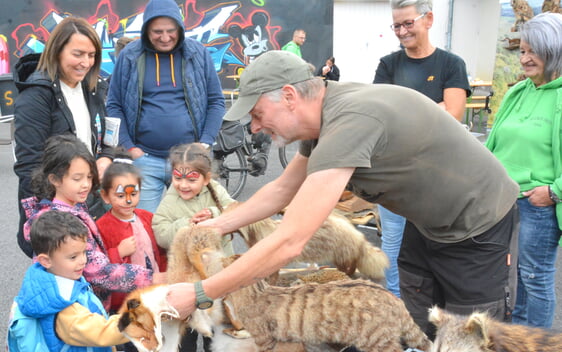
x,y
422,6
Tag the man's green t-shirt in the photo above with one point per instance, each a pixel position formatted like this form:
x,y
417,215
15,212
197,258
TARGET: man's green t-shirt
x,y
292,47
412,158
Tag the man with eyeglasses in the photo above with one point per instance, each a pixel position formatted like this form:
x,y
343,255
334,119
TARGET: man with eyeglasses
x,y
294,46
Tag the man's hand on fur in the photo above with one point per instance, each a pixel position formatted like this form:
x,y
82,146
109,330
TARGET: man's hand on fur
x,y
215,223
182,297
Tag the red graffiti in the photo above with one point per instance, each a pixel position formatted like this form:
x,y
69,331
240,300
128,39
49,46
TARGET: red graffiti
x,y
192,16
25,31
104,11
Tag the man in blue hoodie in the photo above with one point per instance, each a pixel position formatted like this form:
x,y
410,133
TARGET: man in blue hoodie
x,y
166,92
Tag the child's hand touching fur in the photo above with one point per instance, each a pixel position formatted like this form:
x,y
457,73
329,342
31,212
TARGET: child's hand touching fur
x,y
201,215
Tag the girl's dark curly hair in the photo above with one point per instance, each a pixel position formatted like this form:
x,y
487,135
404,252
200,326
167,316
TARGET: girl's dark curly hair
x,y
58,154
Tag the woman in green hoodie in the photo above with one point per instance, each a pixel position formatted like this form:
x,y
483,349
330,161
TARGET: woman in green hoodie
x,y
526,138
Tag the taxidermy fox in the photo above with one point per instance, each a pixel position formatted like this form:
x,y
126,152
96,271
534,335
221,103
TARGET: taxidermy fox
x,y
480,333
337,241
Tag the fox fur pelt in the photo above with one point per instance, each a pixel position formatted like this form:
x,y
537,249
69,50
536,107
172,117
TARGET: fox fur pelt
x,y
481,333
337,241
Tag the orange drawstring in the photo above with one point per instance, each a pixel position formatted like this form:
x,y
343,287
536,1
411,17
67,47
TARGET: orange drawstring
x,y
157,70
172,67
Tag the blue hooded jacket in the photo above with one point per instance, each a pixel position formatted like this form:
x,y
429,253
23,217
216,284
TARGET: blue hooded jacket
x,y
39,298
133,72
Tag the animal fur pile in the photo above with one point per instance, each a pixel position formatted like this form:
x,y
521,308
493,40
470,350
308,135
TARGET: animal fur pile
x,y
337,241
196,253
480,333
149,321
323,316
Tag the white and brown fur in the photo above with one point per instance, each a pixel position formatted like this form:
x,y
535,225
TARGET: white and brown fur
x,y
481,333
191,257
347,312
337,241
195,253
146,316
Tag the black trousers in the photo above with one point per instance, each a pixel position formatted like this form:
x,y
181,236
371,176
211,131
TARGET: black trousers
x,y
473,275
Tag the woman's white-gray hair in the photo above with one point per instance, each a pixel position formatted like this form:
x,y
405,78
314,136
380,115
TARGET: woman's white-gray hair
x,y
306,89
543,33
422,6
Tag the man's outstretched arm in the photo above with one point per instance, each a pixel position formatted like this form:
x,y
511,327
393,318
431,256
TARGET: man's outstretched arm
x,y
312,204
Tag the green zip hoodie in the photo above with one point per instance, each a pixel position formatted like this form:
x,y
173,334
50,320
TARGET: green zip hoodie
x,y
530,113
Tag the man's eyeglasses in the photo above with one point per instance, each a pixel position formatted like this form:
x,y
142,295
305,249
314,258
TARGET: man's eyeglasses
x,y
407,24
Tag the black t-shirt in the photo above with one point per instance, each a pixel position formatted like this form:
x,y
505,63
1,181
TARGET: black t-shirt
x,y
429,76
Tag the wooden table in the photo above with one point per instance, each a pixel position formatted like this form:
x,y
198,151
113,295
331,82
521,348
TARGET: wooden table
x,y
478,102
480,83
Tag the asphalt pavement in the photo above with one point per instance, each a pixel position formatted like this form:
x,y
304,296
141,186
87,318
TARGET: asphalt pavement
x,y
14,262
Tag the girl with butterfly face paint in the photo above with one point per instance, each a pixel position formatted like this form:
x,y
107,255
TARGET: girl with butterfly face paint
x,y
192,197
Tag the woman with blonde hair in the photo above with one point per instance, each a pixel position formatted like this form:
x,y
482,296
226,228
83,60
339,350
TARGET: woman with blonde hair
x,y
60,92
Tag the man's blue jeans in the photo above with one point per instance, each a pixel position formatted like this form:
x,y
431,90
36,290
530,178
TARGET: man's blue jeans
x,y
538,245
392,231
156,177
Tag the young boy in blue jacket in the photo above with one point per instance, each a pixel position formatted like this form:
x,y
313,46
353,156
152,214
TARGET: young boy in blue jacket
x,y
55,300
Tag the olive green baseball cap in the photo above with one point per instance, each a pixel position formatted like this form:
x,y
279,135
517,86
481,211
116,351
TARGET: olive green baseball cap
x,y
270,71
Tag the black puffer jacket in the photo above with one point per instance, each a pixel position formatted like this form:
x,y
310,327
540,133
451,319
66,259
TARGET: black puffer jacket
x,y
41,111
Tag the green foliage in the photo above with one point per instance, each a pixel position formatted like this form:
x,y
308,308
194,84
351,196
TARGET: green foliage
x,y
507,68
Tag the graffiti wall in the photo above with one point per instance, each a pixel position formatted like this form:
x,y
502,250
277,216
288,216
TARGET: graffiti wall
x,y
234,32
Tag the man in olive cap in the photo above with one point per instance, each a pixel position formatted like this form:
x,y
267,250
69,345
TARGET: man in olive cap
x,y
390,145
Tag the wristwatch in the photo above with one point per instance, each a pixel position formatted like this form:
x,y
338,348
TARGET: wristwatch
x,y
202,301
553,196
